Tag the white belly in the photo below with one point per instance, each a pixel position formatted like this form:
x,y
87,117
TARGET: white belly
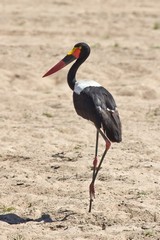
x,y
81,85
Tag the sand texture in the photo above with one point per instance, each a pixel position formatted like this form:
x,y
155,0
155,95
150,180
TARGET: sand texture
x,y
47,150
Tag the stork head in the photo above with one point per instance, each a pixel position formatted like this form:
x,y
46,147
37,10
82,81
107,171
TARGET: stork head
x,y
79,51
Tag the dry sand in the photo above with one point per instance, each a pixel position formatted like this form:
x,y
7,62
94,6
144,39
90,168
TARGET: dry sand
x,y
47,150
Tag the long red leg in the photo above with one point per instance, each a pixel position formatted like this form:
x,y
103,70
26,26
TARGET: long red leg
x,y
95,161
95,171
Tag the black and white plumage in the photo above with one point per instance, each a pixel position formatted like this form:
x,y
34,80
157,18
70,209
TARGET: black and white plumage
x,y
92,102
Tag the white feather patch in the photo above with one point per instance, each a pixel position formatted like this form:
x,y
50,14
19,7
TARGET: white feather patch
x,y
81,85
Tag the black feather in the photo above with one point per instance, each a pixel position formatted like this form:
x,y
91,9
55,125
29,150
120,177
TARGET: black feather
x,y
97,105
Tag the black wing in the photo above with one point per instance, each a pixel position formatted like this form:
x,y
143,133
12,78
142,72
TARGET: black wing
x,y
97,105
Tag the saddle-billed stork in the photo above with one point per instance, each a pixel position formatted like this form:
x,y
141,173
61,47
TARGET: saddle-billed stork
x,y
92,102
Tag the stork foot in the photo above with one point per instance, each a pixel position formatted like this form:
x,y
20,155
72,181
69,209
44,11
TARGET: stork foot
x,y
92,191
92,195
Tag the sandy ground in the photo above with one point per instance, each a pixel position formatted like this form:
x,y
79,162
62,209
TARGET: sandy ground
x,y
47,150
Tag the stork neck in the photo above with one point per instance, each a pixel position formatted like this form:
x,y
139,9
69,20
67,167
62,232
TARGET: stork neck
x,y
71,77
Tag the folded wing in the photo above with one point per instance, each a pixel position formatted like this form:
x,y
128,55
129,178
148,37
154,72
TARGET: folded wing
x,y
97,105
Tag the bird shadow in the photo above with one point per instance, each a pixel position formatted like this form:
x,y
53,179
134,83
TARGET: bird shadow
x,y
12,218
